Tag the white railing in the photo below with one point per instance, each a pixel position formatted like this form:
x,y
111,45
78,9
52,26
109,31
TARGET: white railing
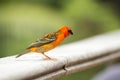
x,y
71,58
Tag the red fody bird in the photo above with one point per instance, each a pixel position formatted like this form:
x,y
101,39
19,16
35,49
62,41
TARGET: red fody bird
x,y
48,42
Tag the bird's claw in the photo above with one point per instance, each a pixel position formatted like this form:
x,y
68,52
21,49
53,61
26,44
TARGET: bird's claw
x,y
50,58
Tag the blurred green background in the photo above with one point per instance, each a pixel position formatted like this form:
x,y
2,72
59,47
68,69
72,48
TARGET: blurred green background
x,y
23,21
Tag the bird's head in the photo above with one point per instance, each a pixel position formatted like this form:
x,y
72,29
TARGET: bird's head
x,y
66,31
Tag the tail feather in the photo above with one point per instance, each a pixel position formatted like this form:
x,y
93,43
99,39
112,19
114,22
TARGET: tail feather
x,y
24,52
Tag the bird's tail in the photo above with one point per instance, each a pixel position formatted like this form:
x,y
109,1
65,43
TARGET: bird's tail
x,y
24,52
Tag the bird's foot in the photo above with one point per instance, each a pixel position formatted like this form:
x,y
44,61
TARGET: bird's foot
x,y
50,59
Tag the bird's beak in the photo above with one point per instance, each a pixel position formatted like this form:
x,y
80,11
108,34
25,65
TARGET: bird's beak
x,y
70,31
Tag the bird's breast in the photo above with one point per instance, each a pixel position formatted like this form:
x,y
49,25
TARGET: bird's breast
x,y
59,39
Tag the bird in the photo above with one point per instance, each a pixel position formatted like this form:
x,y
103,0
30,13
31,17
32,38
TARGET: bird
x,y
48,42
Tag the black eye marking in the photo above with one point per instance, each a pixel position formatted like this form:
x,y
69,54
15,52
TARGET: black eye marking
x,y
70,31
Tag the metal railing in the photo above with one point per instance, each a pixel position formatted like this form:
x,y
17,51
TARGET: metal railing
x,y
71,58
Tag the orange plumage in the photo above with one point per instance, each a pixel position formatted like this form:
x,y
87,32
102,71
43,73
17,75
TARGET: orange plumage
x,y
49,41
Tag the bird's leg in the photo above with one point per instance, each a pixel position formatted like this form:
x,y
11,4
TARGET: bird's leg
x,y
47,57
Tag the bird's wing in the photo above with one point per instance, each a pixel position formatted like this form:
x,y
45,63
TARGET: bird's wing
x,y
45,40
